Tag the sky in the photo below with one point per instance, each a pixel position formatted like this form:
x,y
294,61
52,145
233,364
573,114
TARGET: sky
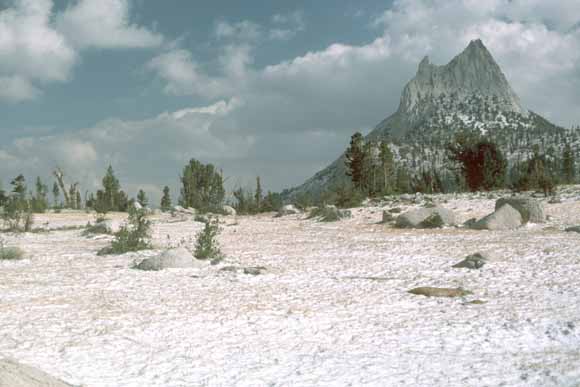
x,y
264,88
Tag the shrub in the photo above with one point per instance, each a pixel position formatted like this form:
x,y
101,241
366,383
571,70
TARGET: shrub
x,y
17,215
207,245
10,253
325,214
133,236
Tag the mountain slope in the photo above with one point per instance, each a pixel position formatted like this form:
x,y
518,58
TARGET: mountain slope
x,y
470,93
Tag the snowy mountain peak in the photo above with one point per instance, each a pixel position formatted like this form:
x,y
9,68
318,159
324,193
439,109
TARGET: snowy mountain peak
x,y
473,72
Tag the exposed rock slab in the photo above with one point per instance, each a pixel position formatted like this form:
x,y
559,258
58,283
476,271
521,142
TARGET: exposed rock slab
x,y
14,374
440,292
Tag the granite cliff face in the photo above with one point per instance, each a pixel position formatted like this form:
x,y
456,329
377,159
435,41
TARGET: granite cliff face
x,y
474,71
469,93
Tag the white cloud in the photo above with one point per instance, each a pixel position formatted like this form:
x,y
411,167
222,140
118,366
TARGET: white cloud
x,y
244,30
287,25
17,89
34,51
142,151
104,24
31,50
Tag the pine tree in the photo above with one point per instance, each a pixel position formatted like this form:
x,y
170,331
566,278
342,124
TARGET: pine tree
x,y
258,196
19,187
568,165
142,198
388,167
56,194
202,187
40,201
111,189
355,160
166,200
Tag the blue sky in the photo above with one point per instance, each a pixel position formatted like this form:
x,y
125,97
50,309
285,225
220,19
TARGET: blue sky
x,y
267,88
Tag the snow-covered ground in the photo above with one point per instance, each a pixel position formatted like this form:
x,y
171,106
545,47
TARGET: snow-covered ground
x,y
332,309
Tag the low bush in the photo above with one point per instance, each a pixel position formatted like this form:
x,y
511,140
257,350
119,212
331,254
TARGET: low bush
x,y
133,236
10,253
325,214
207,245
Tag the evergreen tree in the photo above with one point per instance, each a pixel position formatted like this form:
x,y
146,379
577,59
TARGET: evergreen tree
x,y
388,167
111,197
568,165
19,187
3,197
142,198
258,196
56,194
40,200
166,200
355,160
202,187
111,189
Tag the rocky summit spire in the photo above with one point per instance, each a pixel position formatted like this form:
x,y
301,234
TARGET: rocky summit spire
x,y
473,72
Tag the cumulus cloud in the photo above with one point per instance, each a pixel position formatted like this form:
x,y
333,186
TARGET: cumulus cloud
x,y
31,50
104,24
35,51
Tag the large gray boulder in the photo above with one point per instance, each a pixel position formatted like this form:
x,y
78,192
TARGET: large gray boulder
x,y
14,374
530,209
228,210
504,218
288,209
426,218
170,259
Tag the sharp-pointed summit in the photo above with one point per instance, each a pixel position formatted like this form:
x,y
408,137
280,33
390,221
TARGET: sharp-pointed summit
x,y
469,93
473,72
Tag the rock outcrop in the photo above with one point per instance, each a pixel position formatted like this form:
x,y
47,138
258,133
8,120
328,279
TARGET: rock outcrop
x,y
14,374
530,208
504,218
426,218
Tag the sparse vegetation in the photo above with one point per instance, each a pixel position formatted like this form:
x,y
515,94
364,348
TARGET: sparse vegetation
x,y
207,245
9,253
133,236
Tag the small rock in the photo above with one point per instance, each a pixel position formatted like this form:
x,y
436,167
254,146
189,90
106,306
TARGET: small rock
x,y
395,210
254,270
573,229
473,261
440,292
173,258
477,302
387,217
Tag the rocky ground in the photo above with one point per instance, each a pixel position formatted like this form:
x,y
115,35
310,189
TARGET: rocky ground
x,y
331,308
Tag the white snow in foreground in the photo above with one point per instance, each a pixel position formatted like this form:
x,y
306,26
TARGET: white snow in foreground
x,y
315,318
